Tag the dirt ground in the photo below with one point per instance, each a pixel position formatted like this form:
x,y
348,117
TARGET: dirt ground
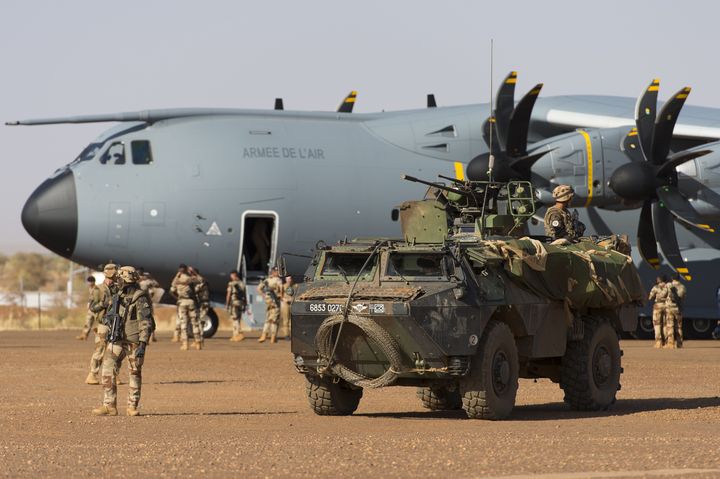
x,y
239,409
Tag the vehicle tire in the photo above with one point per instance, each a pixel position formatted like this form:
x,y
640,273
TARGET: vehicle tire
x,y
591,368
699,328
645,328
211,324
331,399
440,398
490,389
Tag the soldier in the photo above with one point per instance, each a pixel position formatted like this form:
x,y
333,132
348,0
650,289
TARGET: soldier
x,y
148,284
92,289
659,294
288,295
559,222
271,288
673,311
137,324
183,288
202,293
100,302
235,303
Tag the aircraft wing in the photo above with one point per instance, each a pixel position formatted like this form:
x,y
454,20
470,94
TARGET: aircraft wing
x,y
559,114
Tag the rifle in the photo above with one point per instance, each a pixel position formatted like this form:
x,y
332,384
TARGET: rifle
x,y
114,321
273,297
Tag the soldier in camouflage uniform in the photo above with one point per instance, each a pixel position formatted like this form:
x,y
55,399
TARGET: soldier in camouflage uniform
x,y
90,320
659,294
100,302
559,222
148,284
135,310
288,295
271,288
202,293
673,312
183,288
235,303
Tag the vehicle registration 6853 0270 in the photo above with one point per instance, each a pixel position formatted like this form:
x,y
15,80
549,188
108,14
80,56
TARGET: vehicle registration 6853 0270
x,y
331,308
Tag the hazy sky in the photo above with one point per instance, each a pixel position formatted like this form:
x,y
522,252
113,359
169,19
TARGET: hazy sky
x,y
79,57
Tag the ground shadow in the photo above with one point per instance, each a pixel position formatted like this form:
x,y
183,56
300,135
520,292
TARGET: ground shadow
x,y
561,411
198,381
222,413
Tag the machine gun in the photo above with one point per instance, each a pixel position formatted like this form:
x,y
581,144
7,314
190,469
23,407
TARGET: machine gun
x,y
273,297
114,321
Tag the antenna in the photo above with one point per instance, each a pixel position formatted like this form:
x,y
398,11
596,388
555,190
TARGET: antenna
x,y
491,157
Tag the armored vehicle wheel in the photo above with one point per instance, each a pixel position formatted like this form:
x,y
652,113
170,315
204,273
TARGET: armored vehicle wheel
x,y
331,399
590,370
489,392
440,398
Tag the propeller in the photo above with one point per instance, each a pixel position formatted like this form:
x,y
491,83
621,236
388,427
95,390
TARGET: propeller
x,y
506,133
651,177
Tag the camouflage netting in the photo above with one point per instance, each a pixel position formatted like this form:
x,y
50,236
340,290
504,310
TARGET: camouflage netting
x,y
584,274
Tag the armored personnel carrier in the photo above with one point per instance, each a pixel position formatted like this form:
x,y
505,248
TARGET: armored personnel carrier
x,y
463,305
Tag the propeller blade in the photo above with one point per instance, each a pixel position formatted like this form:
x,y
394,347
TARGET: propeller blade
x,y
520,123
523,164
665,124
486,134
504,105
279,104
597,222
681,209
646,236
348,103
631,146
665,225
645,116
431,101
678,159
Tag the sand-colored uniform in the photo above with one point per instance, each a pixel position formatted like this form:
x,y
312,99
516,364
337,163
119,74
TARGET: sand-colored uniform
x,y
559,223
272,308
92,318
135,308
285,305
202,293
183,288
659,294
673,311
236,290
102,300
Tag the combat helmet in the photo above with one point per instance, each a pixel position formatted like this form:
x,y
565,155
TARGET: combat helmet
x,y
128,274
563,193
110,270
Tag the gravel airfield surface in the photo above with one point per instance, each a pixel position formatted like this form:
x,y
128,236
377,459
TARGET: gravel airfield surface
x,y
239,409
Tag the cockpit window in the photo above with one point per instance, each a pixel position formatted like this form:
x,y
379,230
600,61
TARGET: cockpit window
x,y
89,152
141,154
115,155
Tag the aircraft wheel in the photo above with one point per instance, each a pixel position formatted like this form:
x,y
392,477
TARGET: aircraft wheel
x,y
645,328
210,324
700,328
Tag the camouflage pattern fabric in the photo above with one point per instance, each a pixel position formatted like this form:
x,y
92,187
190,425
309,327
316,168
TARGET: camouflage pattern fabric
x,y
674,304
116,353
187,312
272,311
559,223
285,305
659,293
100,346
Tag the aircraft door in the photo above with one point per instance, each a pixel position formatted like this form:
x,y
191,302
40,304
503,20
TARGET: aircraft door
x,y
258,243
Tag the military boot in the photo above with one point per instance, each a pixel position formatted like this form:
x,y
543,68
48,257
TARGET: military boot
x,y
262,338
670,344
658,344
273,339
197,345
92,379
104,411
176,337
133,411
184,346
153,338
82,337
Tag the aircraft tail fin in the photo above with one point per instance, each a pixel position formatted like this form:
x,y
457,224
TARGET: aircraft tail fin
x,y
279,104
348,103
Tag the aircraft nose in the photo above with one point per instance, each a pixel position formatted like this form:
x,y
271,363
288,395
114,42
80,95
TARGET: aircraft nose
x,y
50,215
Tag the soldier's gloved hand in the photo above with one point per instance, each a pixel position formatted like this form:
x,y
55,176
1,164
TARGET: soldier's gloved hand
x,y
140,351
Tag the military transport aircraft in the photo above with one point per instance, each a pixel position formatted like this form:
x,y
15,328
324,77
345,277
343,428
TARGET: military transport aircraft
x,y
227,189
